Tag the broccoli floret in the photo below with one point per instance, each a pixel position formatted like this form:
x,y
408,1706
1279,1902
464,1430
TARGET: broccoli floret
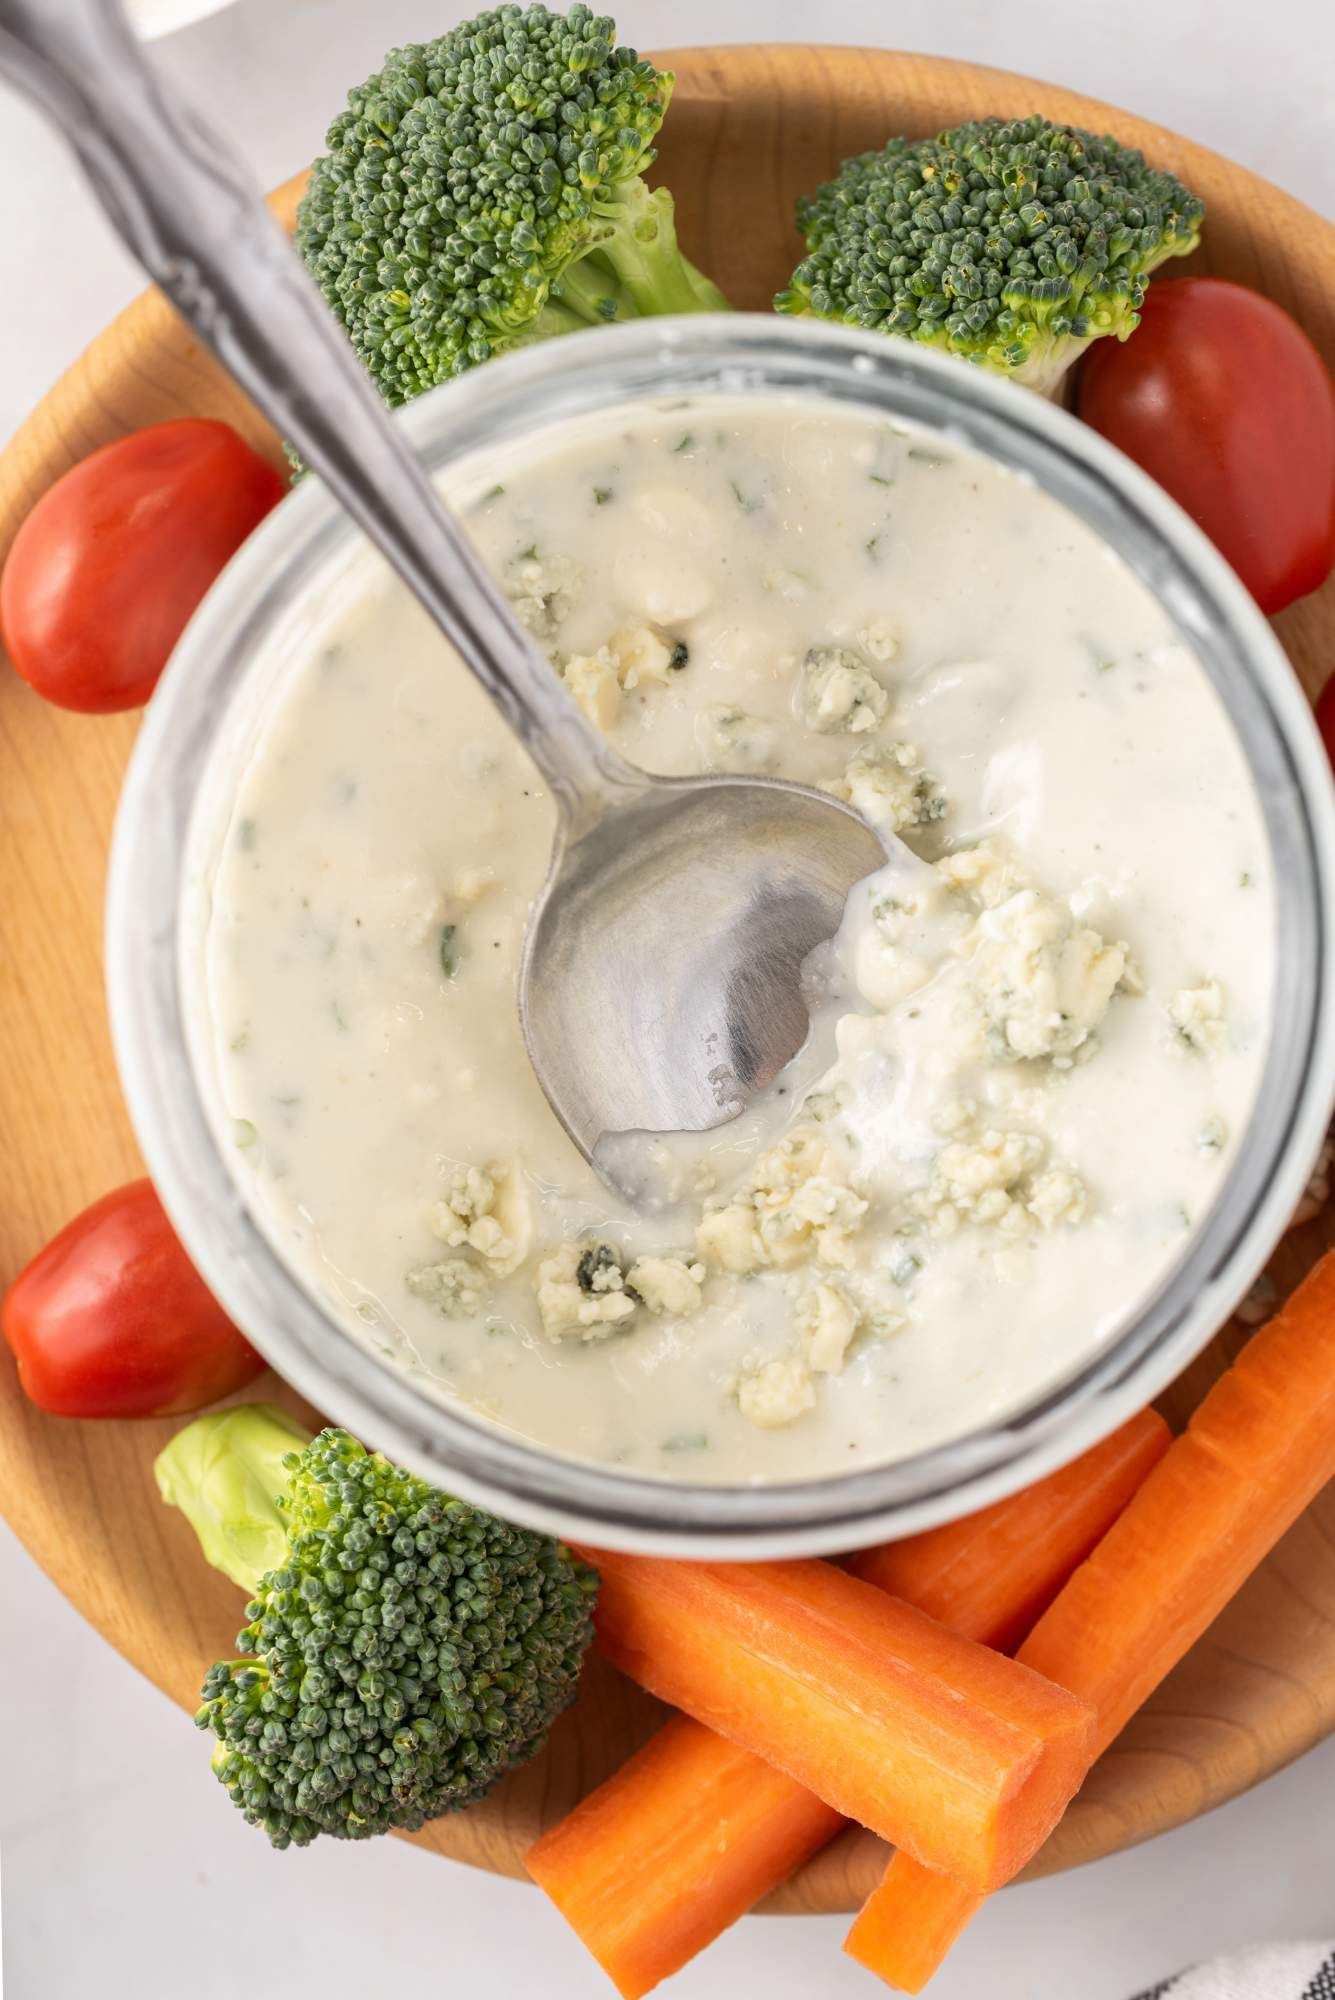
x,y
1014,245
402,1649
483,190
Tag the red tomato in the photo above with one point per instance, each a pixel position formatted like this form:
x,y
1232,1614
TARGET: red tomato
x,y
112,1320
1325,718
1223,399
106,570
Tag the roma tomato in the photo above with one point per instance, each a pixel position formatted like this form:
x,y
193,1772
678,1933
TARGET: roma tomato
x,y
1223,399
1325,718
106,570
112,1319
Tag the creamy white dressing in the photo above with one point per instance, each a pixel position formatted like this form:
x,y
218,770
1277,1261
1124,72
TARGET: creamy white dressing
x,y
1030,1063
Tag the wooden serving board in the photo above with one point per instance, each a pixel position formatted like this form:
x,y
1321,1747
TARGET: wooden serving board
x,y
749,129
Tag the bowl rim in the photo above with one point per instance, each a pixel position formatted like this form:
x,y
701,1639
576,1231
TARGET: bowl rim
x,y
522,1478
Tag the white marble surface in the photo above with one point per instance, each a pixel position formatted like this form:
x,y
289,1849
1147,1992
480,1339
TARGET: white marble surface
x,y
125,1874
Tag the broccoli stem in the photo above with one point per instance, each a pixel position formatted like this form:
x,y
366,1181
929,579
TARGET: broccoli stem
x,y
227,1473
643,252
1046,366
587,293
636,269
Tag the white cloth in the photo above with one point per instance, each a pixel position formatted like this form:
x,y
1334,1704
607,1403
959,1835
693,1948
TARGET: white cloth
x,y
1265,1972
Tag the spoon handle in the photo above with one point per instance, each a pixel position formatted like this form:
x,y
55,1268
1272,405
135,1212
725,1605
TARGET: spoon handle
x,y
183,204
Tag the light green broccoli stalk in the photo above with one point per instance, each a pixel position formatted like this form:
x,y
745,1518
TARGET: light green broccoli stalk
x,y
402,1650
1014,245
484,191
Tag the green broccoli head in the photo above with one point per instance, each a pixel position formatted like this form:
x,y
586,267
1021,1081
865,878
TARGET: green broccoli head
x,y
1014,245
402,1650
484,190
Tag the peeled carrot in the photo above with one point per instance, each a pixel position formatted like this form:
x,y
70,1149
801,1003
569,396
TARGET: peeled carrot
x,y
991,1575
942,1746
1254,1455
652,1866
909,1922
686,1837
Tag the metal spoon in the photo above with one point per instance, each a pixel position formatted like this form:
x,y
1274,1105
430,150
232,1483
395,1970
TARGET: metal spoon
x,y
659,987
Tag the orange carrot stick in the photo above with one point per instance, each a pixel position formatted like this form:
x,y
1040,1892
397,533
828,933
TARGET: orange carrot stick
x,y
1254,1455
686,1837
650,1868
991,1575
950,1750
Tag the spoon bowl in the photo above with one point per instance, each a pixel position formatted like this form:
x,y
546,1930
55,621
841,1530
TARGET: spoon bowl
x,y
660,986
